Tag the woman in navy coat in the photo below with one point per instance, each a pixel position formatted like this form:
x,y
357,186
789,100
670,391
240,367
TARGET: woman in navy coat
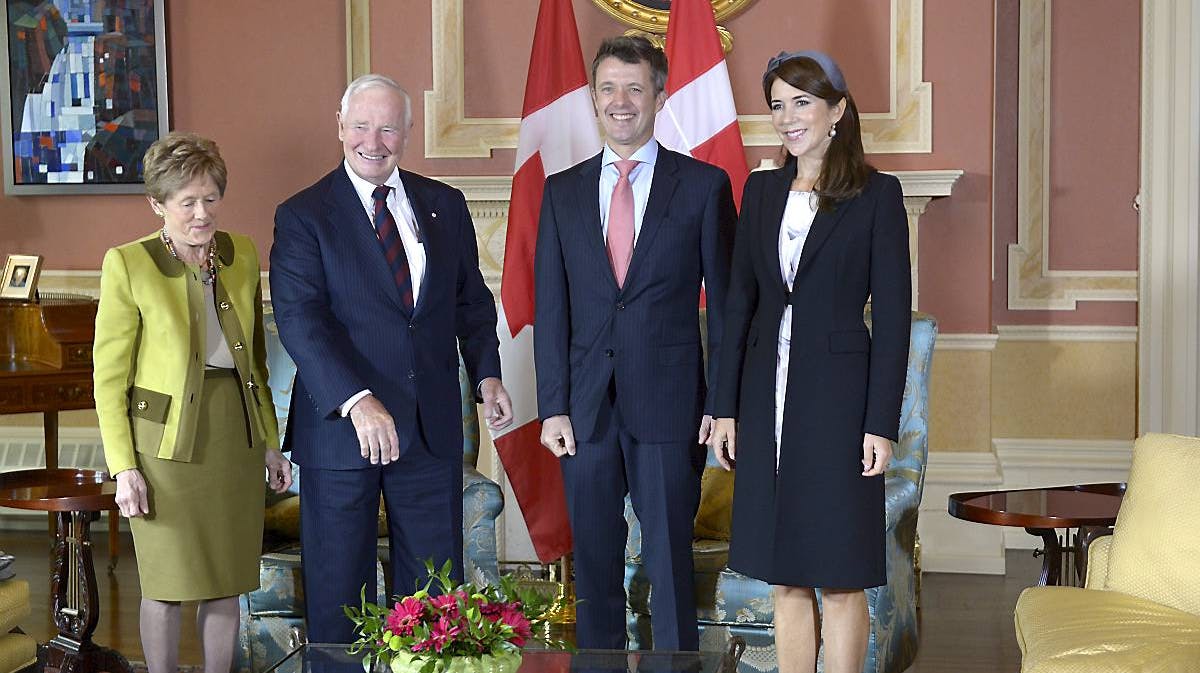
x,y
814,397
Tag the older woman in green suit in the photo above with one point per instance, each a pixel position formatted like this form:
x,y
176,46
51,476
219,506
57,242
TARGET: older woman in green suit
x,y
185,412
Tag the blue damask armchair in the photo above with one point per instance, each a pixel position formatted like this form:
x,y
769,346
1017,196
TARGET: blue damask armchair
x,y
272,617
731,604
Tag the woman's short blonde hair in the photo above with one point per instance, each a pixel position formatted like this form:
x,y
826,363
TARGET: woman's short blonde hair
x,y
176,159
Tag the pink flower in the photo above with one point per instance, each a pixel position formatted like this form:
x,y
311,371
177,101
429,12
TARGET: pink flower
x,y
422,645
405,616
443,632
448,603
515,618
491,610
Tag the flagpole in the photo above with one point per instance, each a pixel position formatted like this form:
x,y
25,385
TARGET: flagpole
x,y
562,574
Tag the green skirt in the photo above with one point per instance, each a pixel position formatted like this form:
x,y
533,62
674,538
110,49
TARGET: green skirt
x,y
203,535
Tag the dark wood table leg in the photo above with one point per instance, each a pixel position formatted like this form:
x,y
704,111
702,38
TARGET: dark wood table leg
x,y
50,433
76,607
1051,556
114,553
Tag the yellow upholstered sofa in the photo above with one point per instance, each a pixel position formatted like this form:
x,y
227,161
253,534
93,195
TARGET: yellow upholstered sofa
x,y
1140,609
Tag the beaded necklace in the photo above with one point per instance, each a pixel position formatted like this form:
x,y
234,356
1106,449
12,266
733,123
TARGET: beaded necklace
x,y
210,264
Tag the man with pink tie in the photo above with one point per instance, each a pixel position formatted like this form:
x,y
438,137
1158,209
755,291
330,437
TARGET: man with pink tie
x,y
625,241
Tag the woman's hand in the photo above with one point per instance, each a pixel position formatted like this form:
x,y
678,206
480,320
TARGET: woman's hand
x,y
877,453
279,471
722,440
132,499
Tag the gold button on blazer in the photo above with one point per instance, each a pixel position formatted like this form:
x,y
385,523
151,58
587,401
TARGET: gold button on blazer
x,y
149,346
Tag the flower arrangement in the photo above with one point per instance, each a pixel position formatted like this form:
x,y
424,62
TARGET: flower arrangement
x,y
457,628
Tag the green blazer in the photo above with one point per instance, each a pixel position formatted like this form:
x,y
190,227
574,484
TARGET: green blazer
x,y
149,346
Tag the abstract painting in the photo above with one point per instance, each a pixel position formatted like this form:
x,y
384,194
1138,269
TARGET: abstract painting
x,y
84,94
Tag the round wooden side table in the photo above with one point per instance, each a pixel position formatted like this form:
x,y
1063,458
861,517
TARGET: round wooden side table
x,y
1040,511
76,497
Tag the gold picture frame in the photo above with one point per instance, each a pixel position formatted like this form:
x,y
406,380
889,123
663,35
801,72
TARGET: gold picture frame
x,y
20,277
651,15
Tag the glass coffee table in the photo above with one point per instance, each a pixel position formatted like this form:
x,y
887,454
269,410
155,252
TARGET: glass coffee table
x,y
331,658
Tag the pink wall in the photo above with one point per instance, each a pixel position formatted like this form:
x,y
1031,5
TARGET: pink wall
x,y
1094,134
1094,128
258,83
266,88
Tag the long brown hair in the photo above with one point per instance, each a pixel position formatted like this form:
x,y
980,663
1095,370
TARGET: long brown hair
x,y
844,171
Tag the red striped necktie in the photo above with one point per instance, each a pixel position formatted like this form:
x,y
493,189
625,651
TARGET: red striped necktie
x,y
393,247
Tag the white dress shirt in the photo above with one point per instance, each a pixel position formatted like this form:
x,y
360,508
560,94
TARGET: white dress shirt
x,y
414,247
402,212
640,179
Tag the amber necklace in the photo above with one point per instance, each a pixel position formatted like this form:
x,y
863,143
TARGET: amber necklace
x,y
210,265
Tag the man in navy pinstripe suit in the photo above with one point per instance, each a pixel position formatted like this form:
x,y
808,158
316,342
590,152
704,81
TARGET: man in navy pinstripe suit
x,y
376,287
624,242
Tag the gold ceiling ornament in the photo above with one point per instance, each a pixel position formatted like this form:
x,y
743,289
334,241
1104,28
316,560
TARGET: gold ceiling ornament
x,y
660,41
651,15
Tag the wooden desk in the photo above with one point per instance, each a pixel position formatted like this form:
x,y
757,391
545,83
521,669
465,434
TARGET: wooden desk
x,y
46,367
76,497
1040,511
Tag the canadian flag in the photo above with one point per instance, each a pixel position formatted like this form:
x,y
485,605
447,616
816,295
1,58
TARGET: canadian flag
x,y
699,117
558,130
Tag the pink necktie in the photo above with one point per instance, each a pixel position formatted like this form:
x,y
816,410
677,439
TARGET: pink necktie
x,y
620,222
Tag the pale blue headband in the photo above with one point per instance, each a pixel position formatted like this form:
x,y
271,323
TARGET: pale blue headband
x,y
832,71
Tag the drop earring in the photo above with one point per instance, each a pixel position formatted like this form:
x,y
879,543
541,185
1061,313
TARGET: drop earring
x,y
833,130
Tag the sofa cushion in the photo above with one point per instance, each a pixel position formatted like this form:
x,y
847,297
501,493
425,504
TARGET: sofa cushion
x,y
281,585
17,651
14,603
1149,557
716,510
281,519
1073,630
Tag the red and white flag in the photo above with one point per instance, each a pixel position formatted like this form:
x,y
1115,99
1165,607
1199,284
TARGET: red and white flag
x,y
558,130
699,117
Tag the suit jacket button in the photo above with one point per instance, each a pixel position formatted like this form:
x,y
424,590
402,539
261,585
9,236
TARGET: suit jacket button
x,y
238,346
142,405
620,306
412,325
412,375
224,306
608,352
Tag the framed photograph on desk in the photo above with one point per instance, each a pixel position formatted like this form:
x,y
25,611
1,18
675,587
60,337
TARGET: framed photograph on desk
x,y
20,277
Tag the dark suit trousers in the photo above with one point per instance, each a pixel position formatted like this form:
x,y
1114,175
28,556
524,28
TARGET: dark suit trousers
x,y
339,535
663,481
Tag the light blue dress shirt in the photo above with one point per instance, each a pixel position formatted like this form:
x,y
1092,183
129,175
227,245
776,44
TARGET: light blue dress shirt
x,y
640,178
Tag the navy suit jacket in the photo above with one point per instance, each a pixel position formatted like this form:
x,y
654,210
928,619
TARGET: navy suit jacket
x,y
645,336
341,319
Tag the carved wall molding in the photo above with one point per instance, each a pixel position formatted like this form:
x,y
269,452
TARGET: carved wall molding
x,y
487,201
1032,285
1169,264
358,39
907,126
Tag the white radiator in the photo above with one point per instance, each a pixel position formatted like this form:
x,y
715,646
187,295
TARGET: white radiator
x,y
21,448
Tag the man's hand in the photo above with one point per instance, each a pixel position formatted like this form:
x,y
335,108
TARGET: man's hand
x,y
497,407
376,431
279,471
723,441
877,451
558,436
705,429
131,493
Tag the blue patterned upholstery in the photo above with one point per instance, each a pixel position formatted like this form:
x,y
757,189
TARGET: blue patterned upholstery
x,y
729,603
270,614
